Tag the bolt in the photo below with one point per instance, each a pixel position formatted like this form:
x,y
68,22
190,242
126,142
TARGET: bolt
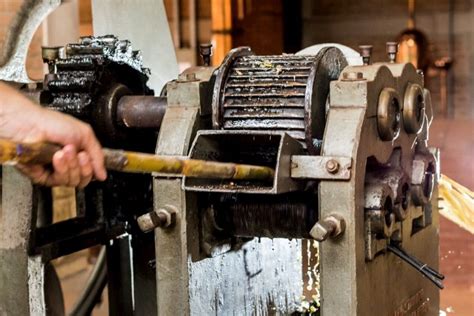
x,y
205,50
50,55
163,217
187,77
365,52
191,76
332,166
392,50
319,232
352,76
331,226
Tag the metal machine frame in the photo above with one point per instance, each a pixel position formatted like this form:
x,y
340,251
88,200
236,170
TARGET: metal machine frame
x,y
369,163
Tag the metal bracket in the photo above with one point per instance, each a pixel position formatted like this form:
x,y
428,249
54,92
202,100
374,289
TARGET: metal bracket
x,y
321,167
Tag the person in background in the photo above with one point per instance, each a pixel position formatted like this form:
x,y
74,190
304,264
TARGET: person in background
x,y
81,158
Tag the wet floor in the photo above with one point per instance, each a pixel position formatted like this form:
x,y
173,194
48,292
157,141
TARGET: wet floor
x,y
455,138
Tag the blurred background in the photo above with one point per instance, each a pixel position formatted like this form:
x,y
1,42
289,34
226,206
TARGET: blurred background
x,y
437,36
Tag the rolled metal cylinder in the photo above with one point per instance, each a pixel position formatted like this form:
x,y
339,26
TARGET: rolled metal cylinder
x,y
141,111
289,215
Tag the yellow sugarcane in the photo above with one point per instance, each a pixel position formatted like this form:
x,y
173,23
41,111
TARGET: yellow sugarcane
x,y
125,161
456,203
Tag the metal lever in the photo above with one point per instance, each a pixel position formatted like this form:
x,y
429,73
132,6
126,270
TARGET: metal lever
x,y
430,273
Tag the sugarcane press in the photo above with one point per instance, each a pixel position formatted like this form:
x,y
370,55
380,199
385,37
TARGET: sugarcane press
x,y
353,170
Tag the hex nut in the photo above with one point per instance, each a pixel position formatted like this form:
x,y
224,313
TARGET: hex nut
x,y
418,171
331,226
423,176
164,217
332,166
147,222
319,232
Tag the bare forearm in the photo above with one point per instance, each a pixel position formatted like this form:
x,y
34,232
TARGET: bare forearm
x,y
24,121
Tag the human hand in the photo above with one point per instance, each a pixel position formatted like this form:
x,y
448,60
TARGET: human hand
x,y
75,165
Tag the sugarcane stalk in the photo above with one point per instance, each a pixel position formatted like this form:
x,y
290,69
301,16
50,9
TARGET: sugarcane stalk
x,y
134,162
27,153
146,163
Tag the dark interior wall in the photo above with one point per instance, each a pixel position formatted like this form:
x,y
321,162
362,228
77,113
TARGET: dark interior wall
x,y
353,22
267,26
259,25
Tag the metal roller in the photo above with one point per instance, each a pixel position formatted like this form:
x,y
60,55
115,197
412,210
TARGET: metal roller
x,y
277,92
284,216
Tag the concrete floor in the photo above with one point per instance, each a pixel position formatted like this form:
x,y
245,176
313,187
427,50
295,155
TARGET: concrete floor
x,y
455,138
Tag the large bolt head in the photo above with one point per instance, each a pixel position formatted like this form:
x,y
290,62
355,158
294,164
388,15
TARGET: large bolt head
x,y
331,226
319,232
163,217
332,166
148,222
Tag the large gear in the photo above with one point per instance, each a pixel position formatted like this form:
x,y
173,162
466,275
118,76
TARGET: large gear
x,y
88,81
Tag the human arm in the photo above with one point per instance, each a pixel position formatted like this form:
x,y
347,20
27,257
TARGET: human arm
x,y
76,164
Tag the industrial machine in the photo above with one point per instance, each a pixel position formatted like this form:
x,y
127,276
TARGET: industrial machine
x,y
352,170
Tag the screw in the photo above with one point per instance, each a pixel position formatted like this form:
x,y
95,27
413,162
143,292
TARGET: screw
x,y
365,52
205,50
163,217
332,166
392,50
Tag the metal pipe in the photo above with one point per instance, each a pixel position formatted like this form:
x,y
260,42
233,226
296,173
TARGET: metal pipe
x,y
141,111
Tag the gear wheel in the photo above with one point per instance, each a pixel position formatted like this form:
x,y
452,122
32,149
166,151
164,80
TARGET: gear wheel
x,y
88,82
